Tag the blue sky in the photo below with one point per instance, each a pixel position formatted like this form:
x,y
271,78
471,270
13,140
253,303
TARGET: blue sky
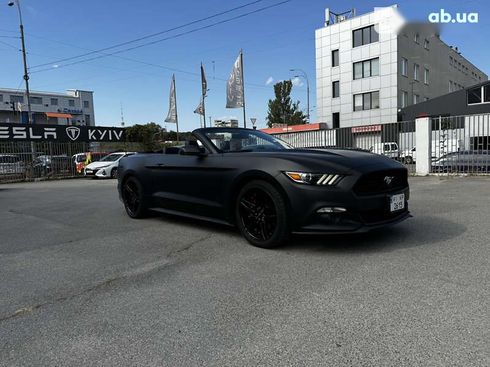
x,y
274,41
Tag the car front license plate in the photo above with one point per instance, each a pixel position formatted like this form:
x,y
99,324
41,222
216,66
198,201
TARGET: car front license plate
x,y
397,202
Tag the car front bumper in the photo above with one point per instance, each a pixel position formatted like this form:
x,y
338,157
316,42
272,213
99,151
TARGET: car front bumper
x,y
97,172
362,212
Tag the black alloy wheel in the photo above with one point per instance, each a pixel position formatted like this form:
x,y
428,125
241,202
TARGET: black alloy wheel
x,y
262,215
133,199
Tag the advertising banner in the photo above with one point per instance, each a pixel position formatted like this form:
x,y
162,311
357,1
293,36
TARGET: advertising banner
x,y
60,133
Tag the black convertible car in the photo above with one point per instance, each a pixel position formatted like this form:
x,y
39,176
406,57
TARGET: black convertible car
x,y
265,187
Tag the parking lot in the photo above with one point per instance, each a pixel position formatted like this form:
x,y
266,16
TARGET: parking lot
x,y
82,284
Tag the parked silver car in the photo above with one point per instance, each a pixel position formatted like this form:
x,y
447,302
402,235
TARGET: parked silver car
x,y
11,164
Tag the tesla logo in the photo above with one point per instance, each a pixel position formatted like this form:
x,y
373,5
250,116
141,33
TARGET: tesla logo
x,y
73,132
388,180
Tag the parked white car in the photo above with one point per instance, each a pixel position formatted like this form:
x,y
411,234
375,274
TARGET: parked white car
x,y
389,149
106,167
408,156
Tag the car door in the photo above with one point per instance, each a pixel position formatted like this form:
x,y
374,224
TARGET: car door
x,y
189,183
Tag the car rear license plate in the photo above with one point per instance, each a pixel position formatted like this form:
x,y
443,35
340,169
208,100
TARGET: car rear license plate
x,y
397,202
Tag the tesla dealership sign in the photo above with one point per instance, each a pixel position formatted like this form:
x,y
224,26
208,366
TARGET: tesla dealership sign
x,y
60,133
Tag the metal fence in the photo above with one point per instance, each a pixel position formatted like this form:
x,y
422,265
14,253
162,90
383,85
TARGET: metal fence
x,y
460,144
29,161
395,140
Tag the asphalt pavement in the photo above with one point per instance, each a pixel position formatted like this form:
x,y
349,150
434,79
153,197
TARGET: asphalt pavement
x,y
81,284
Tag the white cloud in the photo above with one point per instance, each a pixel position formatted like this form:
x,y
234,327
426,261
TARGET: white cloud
x,y
269,81
297,82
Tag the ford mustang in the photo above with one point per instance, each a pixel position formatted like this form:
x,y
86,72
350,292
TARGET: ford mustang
x,y
266,188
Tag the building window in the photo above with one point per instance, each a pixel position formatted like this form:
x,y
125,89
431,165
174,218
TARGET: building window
x,y
366,101
335,120
86,104
364,36
1,97
335,58
404,101
404,66
426,76
416,98
335,89
71,103
36,100
366,69
416,38
54,101
451,61
17,99
426,99
450,86
426,44
416,68
486,93
479,95
87,120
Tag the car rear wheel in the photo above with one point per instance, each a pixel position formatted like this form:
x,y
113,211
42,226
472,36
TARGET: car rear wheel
x,y
133,198
261,215
114,173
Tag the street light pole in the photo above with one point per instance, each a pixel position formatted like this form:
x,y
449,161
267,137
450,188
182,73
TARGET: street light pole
x,y
24,57
304,75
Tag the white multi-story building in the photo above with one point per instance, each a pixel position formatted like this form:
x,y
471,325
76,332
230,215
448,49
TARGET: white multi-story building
x,y
370,66
75,107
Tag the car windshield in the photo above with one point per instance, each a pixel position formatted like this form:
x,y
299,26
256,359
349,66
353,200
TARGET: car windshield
x,y
231,140
111,157
81,158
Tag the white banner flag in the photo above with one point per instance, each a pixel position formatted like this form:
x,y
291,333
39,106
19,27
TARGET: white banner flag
x,y
172,109
234,87
199,110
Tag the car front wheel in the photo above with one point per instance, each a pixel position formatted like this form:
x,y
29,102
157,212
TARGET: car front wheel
x,y
133,198
261,215
114,173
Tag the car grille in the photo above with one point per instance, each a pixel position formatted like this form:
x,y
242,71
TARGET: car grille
x,y
380,215
380,182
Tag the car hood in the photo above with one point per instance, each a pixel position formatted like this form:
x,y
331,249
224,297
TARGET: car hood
x,y
94,165
339,159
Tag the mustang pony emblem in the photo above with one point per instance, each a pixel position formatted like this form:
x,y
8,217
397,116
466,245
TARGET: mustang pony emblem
x,y
388,180
73,132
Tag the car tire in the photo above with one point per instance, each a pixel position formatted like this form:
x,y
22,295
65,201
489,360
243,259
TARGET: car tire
x,y
261,214
114,173
133,198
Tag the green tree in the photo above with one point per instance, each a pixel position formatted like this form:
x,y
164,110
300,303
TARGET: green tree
x,y
282,110
148,135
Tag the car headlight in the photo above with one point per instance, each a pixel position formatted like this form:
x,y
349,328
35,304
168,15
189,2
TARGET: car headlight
x,y
325,179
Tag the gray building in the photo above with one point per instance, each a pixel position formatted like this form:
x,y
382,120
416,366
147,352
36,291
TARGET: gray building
x,y
75,107
370,66
474,100
226,123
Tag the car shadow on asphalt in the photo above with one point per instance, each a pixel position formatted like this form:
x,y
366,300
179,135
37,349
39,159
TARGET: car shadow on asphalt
x,y
417,231
421,230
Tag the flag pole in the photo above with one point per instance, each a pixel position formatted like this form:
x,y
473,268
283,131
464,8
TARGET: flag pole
x,y
204,111
176,115
243,90
203,92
